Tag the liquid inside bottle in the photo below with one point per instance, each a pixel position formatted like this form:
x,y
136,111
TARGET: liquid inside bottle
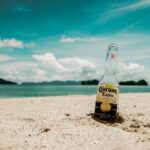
x,y
108,87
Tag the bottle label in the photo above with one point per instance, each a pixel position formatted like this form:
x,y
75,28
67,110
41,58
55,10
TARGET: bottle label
x,y
106,100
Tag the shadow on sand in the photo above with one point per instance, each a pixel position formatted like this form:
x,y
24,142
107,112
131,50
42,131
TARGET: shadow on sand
x,y
119,119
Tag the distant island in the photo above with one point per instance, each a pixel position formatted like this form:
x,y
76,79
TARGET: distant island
x,y
140,82
71,82
89,82
2,81
95,82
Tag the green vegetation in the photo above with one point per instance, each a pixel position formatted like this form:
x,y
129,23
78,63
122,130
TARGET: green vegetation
x,y
2,81
69,82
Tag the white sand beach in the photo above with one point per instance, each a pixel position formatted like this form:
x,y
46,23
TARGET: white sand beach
x,y
65,122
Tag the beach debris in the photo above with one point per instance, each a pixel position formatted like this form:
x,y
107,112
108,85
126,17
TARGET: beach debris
x,y
140,114
28,119
147,125
67,114
44,130
43,146
144,132
95,142
135,125
90,114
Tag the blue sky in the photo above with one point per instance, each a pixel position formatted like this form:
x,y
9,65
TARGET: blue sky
x,y
67,39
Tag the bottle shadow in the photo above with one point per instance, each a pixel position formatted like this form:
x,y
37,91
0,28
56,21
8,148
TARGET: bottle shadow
x,y
119,119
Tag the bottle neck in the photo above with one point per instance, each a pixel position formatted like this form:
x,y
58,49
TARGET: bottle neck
x,y
111,62
110,69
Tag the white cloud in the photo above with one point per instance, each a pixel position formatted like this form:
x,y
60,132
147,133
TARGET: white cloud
x,y
48,60
67,39
95,47
14,43
18,71
133,71
132,48
11,43
66,68
122,37
137,5
119,10
44,67
131,26
79,69
5,58
47,67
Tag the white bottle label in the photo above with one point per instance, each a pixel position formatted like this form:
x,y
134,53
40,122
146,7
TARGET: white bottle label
x,y
107,94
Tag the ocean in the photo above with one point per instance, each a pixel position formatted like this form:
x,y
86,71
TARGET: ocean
x,y
7,91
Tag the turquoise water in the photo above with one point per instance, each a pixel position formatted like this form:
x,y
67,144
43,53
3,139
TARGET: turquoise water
x,y
54,90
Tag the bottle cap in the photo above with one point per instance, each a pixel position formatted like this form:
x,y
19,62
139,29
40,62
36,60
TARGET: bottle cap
x,y
113,46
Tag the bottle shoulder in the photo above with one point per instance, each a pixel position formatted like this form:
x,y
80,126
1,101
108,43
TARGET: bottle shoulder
x,y
109,80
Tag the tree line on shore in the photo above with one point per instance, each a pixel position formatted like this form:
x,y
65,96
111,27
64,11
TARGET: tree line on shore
x,y
69,82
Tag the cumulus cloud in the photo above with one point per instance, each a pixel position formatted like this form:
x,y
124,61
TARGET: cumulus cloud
x,y
48,60
5,58
46,67
14,43
11,43
69,39
78,68
18,71
66,68
132,71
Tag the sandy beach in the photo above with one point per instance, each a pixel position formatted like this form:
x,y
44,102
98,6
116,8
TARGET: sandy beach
x,y
65,122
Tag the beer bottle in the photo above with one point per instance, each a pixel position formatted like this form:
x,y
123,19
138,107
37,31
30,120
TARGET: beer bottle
x,y
108,87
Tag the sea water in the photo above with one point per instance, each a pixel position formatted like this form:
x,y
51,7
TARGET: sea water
x,y
57,90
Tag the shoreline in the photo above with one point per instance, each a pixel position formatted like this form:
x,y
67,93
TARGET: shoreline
x,y
53,96
65,122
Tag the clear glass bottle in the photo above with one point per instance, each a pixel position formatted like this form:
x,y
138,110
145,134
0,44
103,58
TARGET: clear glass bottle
x,y
108,87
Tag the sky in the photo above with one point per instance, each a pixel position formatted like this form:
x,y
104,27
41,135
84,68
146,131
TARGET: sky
x,y
45,40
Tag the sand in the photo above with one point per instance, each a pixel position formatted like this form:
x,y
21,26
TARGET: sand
x,y
65,122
